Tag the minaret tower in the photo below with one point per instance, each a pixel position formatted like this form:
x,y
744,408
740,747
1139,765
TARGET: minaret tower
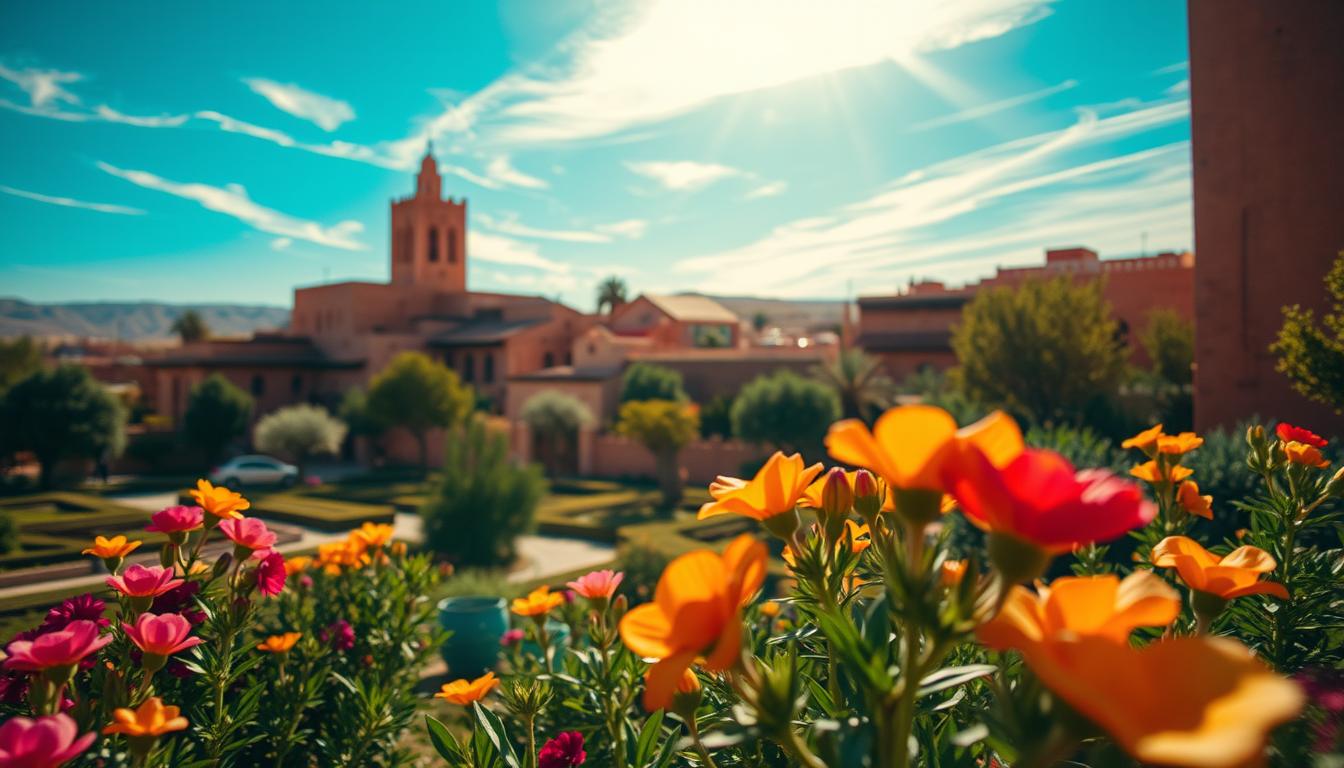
x,y
429,234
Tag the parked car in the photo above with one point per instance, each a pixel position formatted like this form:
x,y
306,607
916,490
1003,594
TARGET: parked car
x,y
254,470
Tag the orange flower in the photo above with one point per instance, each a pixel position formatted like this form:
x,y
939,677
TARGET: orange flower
x,y
695,616
374,535
775,490
688,683
281,643
112,548
334,555
297,564
1077,606
218,500
464,691
1150,472
1176,445
769,609
152,718
1301,453
859,536
538,602
909,444
1144,441
1188,497
1235,575
952,572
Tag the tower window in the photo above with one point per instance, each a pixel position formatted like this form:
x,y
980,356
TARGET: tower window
x,y
433,243
468,367
452,246
488,372
258,385
547,360
296,384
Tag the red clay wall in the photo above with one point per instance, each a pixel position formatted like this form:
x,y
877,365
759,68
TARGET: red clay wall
x,y
619,457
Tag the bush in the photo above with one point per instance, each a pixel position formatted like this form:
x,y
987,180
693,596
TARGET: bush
x,y
482,501
1311,353
716,417
9,534
62,414
1169,340
418,394
664,427
555,419
642,563
1081,446
298,432
217,413
787,411
646,381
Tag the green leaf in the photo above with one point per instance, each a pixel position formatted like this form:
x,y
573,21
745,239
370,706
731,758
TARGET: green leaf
x,y
495,731
949,677
444,742
648,737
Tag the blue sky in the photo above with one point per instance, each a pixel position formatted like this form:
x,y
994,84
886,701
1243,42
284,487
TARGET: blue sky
x,y
226,152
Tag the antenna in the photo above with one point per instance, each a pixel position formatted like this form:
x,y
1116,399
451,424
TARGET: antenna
x,y
1143,243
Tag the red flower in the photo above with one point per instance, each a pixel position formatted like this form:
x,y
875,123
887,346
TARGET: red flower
x,y
248,533
177,519
161,635
563,751
86,607
63,648
1039,498
271,573
1290,434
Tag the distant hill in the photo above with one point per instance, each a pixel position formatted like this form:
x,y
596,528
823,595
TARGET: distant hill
x,y
810,314
131,321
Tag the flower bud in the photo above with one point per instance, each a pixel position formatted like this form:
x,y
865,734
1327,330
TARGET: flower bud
x,y
167,555
222,565
1207,607
619,605
837,497
867,495
1018,561
783,525
1255,436
1335,487
687,696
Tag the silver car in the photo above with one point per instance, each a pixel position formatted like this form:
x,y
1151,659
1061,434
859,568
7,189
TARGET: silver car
x,y
254,470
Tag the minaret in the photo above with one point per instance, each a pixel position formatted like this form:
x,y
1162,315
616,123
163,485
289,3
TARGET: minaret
x,y
429,234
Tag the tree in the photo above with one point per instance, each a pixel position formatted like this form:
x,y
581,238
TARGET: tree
x,y
611,294
418,394
354,411
858,381
217,413
664,427
482,501
190,326
18,359
555,418
299,432
785,410
1044,350
1311,353
759,321
1169,340
60,414
646,381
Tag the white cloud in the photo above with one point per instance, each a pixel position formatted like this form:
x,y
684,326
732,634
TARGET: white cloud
x,y
501,170
143,121
984,110
497,249
509,224
686,175
631,228
323,111
281,243
43,86
1182,86
1171,69
71,202
772,189
232,200
548,282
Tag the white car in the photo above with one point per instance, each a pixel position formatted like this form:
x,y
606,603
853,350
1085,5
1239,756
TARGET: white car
x,y
254,470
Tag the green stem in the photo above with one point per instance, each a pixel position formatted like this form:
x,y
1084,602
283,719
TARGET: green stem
x,y
905,704
795,746
699,745
531,720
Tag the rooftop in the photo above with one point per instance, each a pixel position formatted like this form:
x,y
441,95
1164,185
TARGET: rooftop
x,y
692,308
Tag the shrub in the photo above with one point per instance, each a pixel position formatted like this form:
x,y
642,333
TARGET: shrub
x,y
1080,445
299,432
785,410
418,394
664,427
1169,340
1311,353
9,534
555,419
482,501
217,413
646,381
61,414
716,417
19,359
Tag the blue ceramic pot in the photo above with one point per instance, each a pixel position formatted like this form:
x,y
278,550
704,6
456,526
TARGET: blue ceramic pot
x,y
477,623
558,633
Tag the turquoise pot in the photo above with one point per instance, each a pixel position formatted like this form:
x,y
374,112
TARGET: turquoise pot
x,y
558,633
477,623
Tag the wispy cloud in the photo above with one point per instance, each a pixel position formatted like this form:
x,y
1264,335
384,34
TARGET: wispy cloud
x,y
111,115
233,200
281,243
772,189
605,233
325,112
497,249
1171,69
43,86
71,202
984,110
501,170
1181,86
684,175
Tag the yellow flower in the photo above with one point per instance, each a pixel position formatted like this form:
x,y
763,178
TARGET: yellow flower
x,y
1144,441
1301,453
775,490
281,643
297,564
115,547
218,500
1150,472
1176,445
334,555
1077,606
1235,575
373,535
538,602
152,718
1188,497
464,692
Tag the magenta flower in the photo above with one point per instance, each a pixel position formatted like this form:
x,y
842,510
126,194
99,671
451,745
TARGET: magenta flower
x,y
144,581
180,599
598,585
161,635
45,742
271,573
62,648
511,637
82,607
339,634
563,751
176,520
248,533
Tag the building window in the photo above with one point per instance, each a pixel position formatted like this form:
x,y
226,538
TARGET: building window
x,y
296,384
488,368
547,360
468,367
569,358
433,243
258,385
452,246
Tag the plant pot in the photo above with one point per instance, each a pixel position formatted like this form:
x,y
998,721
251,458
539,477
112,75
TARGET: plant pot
x,y
558,636
477,623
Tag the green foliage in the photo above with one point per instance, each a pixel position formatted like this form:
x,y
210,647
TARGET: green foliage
x,y
19,358
9,534
354,411
642,562
1044,350
1221,471
482,501
664,427
1311,353
860,383
59,414
418,394
555,419
299,432
785,410
647,381
190,327
1169,340
716,417
1080,445
611,293
217,413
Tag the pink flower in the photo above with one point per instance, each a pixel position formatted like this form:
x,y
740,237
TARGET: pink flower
x,y
511,637
270,573
248,533
598,585
144,581
339,634
180,599
161,635
62,648
176,520
86,607
563,751
46,742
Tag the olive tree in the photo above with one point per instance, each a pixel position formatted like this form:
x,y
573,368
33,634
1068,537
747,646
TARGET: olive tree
x,y
299,432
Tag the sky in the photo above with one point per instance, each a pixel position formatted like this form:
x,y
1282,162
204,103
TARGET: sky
x,y
228,152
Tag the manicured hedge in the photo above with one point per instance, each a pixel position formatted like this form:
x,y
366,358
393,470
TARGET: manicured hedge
x,y
313,512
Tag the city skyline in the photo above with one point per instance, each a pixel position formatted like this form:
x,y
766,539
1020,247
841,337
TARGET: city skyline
x,y
766,149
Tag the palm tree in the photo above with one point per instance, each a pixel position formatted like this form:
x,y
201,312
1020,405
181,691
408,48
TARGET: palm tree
x,y
190,326
859,381
611,293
